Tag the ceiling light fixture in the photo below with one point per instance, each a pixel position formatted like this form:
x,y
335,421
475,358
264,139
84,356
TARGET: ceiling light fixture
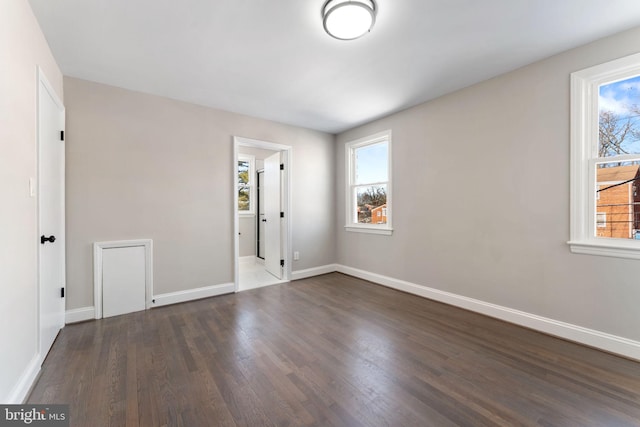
x,y
348,19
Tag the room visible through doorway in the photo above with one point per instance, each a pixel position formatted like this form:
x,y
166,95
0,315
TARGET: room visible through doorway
x,y
261,213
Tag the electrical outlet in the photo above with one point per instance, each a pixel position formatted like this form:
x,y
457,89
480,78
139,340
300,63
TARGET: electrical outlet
x,y
296,256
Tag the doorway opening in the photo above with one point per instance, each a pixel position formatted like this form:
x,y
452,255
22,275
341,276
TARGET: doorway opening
x,y
262,200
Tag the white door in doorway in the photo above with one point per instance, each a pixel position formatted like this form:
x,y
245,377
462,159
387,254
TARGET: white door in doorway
x,y
261,216
272,209
50,214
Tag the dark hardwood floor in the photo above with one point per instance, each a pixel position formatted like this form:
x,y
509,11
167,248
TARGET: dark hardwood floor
x,y
330,350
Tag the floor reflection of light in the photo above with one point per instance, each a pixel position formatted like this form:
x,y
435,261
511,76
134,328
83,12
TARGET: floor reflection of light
x,y
242,322
372,355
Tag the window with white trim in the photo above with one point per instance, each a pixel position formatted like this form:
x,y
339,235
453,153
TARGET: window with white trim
x,y
605,159
246,190
368,184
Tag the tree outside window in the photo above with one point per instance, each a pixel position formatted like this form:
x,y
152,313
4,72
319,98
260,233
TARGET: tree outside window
x,y
245,184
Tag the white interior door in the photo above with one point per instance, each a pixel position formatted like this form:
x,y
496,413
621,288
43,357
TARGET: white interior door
x,y
50,214
261,216
272,208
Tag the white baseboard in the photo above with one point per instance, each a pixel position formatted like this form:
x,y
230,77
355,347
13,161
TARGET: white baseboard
x,y
88,313
314,271
79,315
602,340
192,294
22,388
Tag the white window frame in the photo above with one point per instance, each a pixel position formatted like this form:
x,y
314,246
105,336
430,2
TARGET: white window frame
x,y
350,214
585,85
252,171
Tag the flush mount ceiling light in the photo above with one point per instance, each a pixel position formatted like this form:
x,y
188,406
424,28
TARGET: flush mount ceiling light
x,y
348,19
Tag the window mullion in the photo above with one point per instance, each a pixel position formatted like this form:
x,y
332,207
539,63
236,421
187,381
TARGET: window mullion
x,y
619,158
372,184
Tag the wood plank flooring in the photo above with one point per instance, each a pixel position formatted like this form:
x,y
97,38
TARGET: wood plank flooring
x,y
330,351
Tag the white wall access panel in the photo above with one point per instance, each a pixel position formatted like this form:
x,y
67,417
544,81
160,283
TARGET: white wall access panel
x,y
123,282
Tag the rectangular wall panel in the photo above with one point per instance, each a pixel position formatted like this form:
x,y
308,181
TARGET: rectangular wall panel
x,y
123,280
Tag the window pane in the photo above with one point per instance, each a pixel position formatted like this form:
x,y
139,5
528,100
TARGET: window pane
x,y
371,163
243,172
243,199
244,189
371,204
618,200
619,117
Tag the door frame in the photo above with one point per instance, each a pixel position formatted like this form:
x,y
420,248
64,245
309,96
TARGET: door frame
x,y
42,83
287,161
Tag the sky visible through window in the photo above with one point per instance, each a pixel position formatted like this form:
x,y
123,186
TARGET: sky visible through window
x,y
371,163
619,114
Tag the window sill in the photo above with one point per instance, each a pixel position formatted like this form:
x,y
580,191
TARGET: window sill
x,y
246,214
370,230
617,248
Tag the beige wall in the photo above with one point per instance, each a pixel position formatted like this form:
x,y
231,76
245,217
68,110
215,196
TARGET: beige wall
x,y
141,166
481,199
22,48
247,238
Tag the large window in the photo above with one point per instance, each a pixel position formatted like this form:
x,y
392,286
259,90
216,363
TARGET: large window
x,y
246,175
369,184
605,165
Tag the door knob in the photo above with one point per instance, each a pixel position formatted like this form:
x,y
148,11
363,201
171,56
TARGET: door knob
x,y
264,220
47,239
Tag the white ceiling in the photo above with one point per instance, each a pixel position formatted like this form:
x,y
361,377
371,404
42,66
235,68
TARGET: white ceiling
x,y
272,59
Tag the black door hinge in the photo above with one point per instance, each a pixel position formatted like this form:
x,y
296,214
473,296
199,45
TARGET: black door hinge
x,y
281,166
61,292
61,135
281,214
281,263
